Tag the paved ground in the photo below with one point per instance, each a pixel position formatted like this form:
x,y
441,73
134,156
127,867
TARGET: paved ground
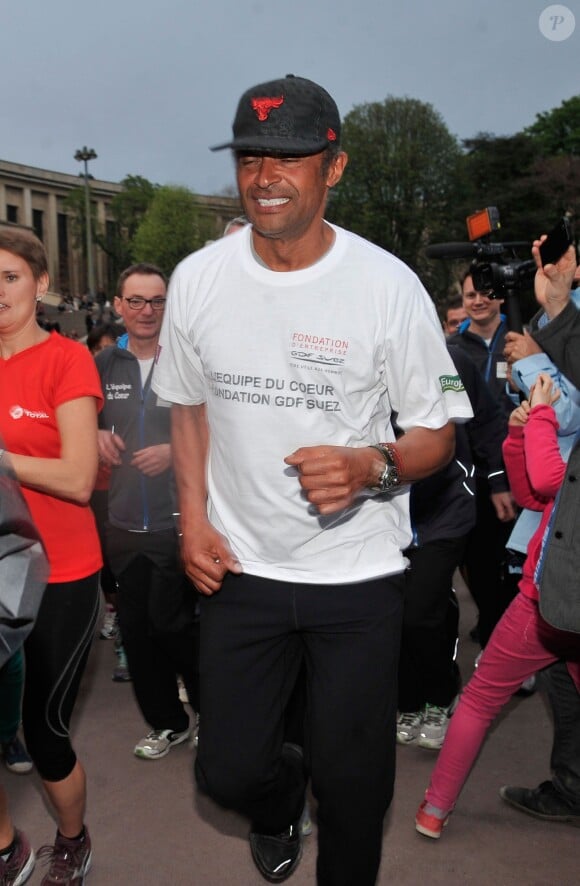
x,y
149,826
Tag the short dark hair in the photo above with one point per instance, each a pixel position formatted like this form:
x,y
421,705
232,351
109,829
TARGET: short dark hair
x,y
139,268
453,302
467,273
105,330
27,246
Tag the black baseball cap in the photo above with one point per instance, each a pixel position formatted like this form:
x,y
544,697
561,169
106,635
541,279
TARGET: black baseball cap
x,y
292,115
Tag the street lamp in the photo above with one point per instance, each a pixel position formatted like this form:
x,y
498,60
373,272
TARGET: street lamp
x,y
85,154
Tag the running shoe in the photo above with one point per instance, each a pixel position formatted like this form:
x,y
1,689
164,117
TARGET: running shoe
x,y
158,743
408,726
429,825
16,757
110,626
121,673
69,861
435,724
17,868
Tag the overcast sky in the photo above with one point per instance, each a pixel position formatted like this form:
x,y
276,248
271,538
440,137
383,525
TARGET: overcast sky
x,y
150,85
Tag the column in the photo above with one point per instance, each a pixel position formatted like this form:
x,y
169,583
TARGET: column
x,y
51,244
27,206
101,255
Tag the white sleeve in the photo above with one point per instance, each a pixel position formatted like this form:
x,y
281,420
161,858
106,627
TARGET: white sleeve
x,y
178,375
424,386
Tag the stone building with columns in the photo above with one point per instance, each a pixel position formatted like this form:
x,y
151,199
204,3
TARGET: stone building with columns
x,y
36,198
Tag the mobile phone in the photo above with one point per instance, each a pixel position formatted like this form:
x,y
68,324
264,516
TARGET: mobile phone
x,y
556,243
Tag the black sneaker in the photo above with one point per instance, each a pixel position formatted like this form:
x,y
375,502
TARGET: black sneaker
x,y
542,802
277,857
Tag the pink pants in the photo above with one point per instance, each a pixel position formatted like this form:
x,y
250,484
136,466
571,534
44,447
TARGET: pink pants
x,y
521,644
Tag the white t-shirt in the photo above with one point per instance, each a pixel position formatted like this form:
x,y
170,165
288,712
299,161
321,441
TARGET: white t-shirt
x,y
322,355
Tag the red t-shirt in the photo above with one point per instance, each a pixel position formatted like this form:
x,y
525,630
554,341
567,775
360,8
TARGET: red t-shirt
x,y
33,383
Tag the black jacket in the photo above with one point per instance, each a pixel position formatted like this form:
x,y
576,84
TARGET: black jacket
x,y
559,586
136,502
560,339
490,361
443,505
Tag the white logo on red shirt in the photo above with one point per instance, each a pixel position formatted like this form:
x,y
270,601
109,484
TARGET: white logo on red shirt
x,y
17,412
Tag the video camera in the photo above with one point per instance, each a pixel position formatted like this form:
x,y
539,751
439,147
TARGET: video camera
x,y
495,268
491,270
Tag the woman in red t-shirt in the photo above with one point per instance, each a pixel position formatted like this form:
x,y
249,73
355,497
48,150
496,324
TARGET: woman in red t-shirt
x,y
49,397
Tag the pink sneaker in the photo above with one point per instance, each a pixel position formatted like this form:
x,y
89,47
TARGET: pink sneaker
x,y
429,825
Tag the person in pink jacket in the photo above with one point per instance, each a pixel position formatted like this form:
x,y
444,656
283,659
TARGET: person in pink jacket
x,y
522,642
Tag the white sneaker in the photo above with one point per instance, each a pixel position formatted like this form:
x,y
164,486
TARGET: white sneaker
x,y
434,727
110,626
183,696
408,726
305,824
158,743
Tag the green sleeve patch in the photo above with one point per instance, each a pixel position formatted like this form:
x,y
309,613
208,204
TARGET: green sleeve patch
x,y
451,383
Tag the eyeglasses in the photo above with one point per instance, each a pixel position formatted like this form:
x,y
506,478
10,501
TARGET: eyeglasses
x,y
137,302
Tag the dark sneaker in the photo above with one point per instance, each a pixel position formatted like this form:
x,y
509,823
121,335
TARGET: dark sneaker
x,y
121,674
543,802
19,866
528,687
16,758
277,857
69,861
195,730
158,743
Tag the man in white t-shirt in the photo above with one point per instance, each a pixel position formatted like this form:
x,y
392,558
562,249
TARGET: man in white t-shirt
x,y
287,348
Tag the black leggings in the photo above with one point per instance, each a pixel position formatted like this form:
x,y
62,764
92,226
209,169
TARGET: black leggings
x,y
56,654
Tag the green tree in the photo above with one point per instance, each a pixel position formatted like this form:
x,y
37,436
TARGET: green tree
x,y
173,226
558,131
128,209
400,187
531,190
495,171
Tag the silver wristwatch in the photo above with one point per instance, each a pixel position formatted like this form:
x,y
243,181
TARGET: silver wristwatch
x,y
390,477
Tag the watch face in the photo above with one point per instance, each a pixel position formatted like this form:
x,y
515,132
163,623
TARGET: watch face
x,y
390,477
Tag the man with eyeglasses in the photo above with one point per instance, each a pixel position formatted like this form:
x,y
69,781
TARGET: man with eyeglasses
x,y
155,601
492,587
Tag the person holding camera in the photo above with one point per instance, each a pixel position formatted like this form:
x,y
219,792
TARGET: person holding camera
x,y
556,331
